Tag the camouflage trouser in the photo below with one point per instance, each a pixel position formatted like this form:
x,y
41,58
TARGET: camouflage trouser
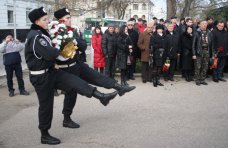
x,y
201,66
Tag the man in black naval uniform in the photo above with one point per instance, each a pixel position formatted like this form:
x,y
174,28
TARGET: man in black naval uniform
x,y
40,58
77,67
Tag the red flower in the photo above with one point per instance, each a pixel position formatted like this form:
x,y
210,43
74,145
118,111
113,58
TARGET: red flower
x,y
56,33
70,29
53,44
53,27
220,49
165,68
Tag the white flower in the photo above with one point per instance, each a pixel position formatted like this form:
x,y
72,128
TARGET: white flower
x,y
59,42
52,31
62,25
70,35
57,46
54,40
65,36
59,37
75,42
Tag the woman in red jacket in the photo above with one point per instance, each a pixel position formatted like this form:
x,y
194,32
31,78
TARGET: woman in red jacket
x,y
99,59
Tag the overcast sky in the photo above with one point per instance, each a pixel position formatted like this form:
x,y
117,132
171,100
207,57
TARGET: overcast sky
x,y
159,6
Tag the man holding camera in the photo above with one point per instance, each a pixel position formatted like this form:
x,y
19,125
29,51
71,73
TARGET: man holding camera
x,y
12,61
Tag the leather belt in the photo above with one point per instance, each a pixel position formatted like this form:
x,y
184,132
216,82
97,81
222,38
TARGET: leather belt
x,y
39,72
66,65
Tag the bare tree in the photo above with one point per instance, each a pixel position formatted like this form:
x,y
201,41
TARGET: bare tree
x,y
171,8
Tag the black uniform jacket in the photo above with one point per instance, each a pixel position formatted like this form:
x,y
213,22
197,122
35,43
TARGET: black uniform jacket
x,y
39,53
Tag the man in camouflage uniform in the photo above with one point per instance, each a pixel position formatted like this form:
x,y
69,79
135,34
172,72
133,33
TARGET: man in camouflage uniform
x,y
202,44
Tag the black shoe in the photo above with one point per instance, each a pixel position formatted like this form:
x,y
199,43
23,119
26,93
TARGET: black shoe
x,y
221,79
144,81
165,79
190,79
104,98
198,83
24,92
70,124
159,83
122,89
216,80
48,139
132,78
203,83
11,93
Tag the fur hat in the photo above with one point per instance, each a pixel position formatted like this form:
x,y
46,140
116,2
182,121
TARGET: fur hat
x,y
61,13
36,14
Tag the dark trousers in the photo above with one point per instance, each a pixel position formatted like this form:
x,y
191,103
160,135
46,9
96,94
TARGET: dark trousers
x,y
217,73
129,71
201,66
170,72
45,84
89,75
145,71
110,66
9,75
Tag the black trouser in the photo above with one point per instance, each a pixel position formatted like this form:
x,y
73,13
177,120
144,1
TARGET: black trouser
x,y
170,73
110,63
18,72
145,71
129,71
89,75
45,84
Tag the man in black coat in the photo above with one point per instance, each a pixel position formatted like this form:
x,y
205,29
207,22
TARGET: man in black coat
x,y
12,60
45,77
219,50
134,36
172,50
77,67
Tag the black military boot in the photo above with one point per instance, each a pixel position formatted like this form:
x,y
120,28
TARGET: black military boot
x,y
11,93
122,89
104,98
46,138
68,122
158,81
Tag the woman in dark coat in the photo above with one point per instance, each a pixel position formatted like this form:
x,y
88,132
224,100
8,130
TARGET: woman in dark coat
x,y
158,46
186,46
124,47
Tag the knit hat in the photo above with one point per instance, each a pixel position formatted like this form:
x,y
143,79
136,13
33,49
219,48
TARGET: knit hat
x,y
111,25
36,14
61,13
159,26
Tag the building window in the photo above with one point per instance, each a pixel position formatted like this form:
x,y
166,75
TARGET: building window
x,y
143,6
135,6
27,18
10,14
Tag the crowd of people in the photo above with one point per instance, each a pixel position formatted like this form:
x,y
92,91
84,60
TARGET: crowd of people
x,y
163,47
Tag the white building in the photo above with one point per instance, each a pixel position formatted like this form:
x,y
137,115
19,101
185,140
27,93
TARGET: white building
x,y
21,21
140,9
